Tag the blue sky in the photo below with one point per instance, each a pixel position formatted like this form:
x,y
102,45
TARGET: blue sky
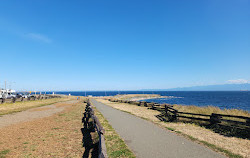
x,y
123,44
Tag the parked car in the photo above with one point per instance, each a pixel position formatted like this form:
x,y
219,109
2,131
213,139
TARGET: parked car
x,y
25,95
8,94
30,96
19,95
1,95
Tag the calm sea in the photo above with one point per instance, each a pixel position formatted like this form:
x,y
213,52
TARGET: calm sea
x,y
221,99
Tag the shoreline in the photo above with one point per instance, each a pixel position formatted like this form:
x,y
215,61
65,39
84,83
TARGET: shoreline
x,y
138,97
144,98
157,97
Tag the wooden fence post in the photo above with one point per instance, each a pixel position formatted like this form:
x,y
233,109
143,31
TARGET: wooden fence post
x,y
214,118
3,100
248,122
13,100
175,115
153,106
166,111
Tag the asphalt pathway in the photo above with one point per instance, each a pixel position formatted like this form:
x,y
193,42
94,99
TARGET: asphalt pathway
x,y
147,140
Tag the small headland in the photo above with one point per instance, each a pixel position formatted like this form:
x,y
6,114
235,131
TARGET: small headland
x,y
137,97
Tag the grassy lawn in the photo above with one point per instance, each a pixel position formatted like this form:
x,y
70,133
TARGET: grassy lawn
x,y
59,135
3,153
55,136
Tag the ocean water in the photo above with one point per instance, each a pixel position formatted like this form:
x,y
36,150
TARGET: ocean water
x,y
221,99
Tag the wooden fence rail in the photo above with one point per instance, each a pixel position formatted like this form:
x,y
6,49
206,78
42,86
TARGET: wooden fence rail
x,y
173,114
98,127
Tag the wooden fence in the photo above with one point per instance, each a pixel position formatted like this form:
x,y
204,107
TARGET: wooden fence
x,y
89,113
214,118
37,97
173,114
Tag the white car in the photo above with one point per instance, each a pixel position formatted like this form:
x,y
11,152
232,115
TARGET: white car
x,y
25,96
30,95
9,96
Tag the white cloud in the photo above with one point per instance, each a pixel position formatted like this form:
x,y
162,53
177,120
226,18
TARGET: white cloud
x,y
39,37
238,81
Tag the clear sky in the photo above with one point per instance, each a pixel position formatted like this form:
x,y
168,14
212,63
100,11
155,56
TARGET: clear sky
x,y
123,44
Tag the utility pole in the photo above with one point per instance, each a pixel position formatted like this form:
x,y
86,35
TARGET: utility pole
x,y
5,86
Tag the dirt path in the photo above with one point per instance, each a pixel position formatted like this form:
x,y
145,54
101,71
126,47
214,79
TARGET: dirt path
x,y
58,135
147,140
31,114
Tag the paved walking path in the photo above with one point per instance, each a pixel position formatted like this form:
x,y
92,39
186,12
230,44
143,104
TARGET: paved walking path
x,y
147,140
33,113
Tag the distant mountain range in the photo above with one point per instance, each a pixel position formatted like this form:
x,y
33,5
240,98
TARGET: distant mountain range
x,y
224,87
